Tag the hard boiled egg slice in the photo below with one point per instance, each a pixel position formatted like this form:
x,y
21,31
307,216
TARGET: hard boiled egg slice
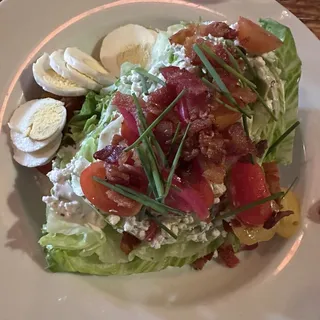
x,y
52,82
130,43
87,65
59,65
25,144
37,158
39,119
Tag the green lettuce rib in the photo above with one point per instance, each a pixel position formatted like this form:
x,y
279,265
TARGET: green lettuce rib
x,y
284,67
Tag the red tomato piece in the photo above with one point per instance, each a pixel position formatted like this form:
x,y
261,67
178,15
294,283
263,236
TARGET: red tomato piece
x,y
96,192
248,184
255,39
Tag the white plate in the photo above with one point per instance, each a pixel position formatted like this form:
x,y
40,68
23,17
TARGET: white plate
x,y
278,281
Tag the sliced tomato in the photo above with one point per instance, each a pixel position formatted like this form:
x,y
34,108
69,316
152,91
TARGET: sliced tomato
x,y
96,192
255,39
247,183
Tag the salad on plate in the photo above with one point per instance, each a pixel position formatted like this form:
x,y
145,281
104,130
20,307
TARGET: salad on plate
x,y
166,152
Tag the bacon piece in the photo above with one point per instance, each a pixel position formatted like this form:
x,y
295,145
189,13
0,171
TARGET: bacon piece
x,y
239,144
199,125
183,79
109,154
116,139
227,256
152,231
195,101
215,174
200,263
261,147
219,29
212,147
128,242
161,98
190,148
181,36
125,101
275,218
272,175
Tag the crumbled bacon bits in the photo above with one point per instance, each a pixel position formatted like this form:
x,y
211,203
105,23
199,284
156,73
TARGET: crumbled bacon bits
x,y
200,263
227,256
128,242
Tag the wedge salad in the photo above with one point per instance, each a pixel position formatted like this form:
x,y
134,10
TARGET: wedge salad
x,y
166,152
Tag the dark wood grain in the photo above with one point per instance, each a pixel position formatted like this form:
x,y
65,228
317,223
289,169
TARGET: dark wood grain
x,y
308,11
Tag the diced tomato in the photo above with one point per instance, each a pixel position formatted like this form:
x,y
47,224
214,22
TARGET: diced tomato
x,y
96,192
255,39
248,184
227,256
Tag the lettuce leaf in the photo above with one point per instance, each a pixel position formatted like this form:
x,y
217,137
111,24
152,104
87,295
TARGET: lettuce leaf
x,y
87,119
279,73
91,250
89,145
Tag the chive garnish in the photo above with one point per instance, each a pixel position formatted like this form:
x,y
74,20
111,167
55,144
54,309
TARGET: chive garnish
x,y
246,61
224,90
175,162
233,60
290,187
161,225
139,197
282,137
226,105
250,84
154,141
228,68
246,130
248,206
175,136
152,163
148,75
264,104
236,109
147,169
156,122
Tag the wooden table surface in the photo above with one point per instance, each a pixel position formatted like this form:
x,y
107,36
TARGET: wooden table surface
x,y
308,11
